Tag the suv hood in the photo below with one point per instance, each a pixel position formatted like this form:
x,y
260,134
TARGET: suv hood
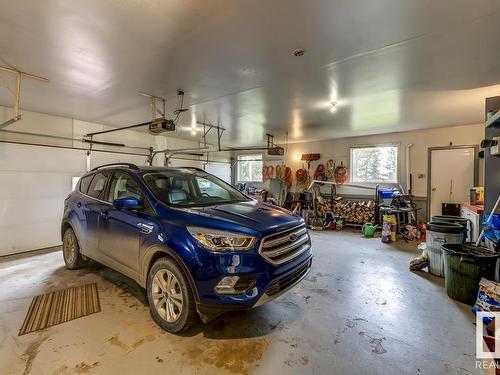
x,y
258,216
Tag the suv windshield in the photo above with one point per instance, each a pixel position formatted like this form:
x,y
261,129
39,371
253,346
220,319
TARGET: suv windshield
x,y
183,189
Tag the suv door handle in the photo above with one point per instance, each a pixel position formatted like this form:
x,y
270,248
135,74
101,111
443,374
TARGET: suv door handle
x,y
145,228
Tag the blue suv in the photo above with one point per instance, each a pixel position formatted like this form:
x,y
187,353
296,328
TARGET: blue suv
x,y
198,245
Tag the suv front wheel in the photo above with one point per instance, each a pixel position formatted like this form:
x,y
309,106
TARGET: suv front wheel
x,y
170,298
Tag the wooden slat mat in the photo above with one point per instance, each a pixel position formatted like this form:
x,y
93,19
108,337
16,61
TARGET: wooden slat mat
x,y
61,306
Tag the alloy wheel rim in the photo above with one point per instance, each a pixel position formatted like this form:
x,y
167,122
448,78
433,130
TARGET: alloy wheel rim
x,y
69,248
167,295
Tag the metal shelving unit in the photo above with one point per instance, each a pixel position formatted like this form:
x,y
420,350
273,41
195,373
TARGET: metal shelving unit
x,y
493,121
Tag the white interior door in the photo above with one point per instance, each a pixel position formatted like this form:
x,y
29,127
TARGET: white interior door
x,y
452,176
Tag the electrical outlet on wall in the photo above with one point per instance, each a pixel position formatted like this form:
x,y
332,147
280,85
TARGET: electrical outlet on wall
x,y
495,149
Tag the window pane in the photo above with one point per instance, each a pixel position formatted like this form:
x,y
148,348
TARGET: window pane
x,y
84,185
191,190
374,164
209,189
250,168
97,185
256,170
124,186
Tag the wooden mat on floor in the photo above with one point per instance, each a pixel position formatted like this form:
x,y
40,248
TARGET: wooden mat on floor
x,y
61,306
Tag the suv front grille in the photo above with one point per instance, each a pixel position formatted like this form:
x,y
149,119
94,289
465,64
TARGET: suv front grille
x,y
284,246
276,286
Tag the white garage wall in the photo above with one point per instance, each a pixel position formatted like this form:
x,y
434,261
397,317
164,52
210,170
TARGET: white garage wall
x,y
338,149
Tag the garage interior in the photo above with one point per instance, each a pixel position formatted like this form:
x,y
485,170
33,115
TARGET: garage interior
x,y
376,122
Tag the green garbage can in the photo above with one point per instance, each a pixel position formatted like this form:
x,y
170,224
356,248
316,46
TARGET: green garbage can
x,y
464,266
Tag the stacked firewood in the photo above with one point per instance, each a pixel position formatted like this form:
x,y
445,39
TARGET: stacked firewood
x,y
323,206
351,211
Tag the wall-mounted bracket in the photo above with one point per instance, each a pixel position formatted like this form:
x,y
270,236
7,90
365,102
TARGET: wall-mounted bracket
x,y
16,92
207,127
198,151
157,105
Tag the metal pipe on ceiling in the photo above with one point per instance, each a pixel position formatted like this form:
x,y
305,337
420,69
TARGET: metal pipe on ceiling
x,y
118,129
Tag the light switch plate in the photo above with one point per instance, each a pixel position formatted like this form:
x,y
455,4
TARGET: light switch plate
x,y
495,149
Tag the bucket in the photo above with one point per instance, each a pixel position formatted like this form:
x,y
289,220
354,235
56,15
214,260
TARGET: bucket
x,y
453,219
437,234
464,266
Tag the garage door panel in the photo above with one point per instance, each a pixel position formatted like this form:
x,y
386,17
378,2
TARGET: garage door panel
x,y
20,238
34,182
221,170
101,158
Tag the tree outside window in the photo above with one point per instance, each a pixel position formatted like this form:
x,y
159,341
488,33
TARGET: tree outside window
x,y
374,164
250,168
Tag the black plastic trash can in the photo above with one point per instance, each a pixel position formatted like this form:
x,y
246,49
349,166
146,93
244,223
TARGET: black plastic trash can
x,y
464,266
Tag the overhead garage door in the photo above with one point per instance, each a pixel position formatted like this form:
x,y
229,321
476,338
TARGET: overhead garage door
x,y
34,181
221,170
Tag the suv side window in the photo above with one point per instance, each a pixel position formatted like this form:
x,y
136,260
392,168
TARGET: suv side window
x,y
123,185
85,182
97,186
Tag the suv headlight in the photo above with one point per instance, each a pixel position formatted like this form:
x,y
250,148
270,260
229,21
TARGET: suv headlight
x,y
216,240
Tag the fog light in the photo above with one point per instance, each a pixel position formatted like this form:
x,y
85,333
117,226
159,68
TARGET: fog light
x,y
226,285
234,284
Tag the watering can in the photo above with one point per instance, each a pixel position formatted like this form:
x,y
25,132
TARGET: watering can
x,y
368,229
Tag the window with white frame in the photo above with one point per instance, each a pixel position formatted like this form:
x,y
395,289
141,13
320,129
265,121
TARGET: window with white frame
x,y
374,164
250,168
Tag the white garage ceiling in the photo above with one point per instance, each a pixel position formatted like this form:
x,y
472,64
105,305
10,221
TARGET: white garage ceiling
x,y
391,65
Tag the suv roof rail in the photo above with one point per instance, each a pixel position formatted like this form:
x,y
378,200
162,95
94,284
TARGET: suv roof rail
x,y
130,165
195,168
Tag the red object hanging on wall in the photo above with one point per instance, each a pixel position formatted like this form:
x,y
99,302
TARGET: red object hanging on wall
x,y
320,173
341,174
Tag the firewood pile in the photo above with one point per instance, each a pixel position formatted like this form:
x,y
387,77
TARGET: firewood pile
x,y
353,212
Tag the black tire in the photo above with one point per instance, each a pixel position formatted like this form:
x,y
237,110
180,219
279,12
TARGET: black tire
x,y
187,315
72,257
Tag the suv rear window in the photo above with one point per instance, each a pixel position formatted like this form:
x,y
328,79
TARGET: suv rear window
x,y
96,188
85,182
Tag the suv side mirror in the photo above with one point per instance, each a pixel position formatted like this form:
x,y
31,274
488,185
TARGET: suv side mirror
x,y
127,203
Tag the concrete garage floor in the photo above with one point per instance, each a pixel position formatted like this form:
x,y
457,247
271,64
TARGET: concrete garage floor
x,y
360,311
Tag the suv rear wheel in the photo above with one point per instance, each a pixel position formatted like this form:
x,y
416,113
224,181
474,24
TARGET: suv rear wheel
x,y
71,251
170,298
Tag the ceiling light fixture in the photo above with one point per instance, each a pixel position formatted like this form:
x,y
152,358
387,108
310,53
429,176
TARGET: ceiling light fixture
x,y
333,107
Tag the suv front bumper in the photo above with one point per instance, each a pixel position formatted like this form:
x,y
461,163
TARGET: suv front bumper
x,y
274,288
